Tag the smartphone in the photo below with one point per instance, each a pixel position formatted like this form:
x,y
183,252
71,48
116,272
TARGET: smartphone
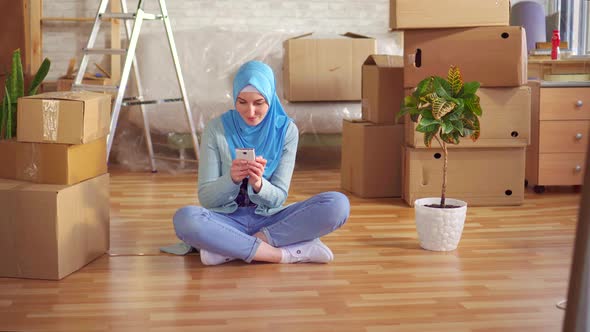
x,y
245,153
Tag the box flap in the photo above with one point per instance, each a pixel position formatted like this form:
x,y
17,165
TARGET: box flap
x,y
67,95
347,35
355,35
384,60
302,36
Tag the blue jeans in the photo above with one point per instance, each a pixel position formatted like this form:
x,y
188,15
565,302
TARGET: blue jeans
x,y
232,234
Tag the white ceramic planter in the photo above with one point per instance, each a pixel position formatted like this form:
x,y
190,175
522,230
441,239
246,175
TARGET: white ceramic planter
x,y
439,229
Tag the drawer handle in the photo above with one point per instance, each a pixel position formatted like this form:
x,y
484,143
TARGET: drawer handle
x,y
579,136
578,168
579,103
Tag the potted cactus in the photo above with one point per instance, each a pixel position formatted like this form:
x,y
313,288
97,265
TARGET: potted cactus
x,y
14,89
445,111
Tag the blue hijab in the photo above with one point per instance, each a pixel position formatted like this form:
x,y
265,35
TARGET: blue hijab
x,y
268,137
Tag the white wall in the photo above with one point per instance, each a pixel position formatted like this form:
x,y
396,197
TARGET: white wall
x,y
62,41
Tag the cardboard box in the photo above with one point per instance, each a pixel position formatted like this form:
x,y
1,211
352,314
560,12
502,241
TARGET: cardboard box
x,y
382,88
479,176
325,69
424,14
52,163
493,56
73,117
505,121
50,231
371,156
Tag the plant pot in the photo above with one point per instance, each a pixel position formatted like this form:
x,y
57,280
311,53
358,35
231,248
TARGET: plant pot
x,y
439,229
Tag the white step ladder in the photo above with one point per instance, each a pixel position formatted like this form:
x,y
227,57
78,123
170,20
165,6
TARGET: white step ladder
x,y
130,62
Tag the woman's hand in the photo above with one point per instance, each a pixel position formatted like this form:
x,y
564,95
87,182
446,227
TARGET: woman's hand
x,y
239,170
256,169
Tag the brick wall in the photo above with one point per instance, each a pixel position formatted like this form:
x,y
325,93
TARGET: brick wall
x,y
62,40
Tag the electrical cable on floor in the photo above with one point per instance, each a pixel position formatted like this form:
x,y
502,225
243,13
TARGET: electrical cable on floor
x,y
561,304
131,255
147,255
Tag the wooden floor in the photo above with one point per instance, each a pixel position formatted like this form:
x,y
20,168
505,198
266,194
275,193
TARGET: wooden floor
x,y
509,272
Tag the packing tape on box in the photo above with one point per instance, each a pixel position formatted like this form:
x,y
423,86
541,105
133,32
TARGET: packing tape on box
x,y
75,95
50,119
411,60
31,157
64,95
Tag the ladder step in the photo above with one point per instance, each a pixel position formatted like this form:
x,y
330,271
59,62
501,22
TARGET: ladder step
x,y
135,98
104,50
95,87
130,16
151,102
120,16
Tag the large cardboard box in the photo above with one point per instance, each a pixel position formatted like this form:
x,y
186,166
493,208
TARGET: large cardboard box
x,y
493,56
52,163
382,88
50,231
325,69
505,120
479,176
418,14
371,156
72,117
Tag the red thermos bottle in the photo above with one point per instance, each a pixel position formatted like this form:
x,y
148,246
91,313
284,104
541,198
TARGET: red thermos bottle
x,y
555,45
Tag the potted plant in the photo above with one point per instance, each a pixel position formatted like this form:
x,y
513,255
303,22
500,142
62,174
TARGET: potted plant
x,y
445,110
14,89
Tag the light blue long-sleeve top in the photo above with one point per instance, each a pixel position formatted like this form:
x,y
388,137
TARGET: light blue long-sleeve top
x,y
217,191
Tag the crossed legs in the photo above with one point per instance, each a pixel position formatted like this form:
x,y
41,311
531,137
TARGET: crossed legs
x,y
272,236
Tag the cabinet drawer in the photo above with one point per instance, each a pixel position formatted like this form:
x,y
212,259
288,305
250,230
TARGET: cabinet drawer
x,y
561,168
565,104
563,136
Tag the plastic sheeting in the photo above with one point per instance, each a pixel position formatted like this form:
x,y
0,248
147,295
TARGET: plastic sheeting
x,y
209,58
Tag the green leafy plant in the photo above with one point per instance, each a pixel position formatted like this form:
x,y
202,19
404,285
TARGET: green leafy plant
x,y
14,89
446,110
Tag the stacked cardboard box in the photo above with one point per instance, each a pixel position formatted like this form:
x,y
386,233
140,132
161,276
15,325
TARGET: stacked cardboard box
x,y
54,186
317,68
320,68
476,37
371,147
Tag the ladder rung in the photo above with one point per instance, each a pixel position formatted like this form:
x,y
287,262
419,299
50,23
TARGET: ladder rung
x,y
130,16
147,16
120,16
152,102
132,98
104,50
95,87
